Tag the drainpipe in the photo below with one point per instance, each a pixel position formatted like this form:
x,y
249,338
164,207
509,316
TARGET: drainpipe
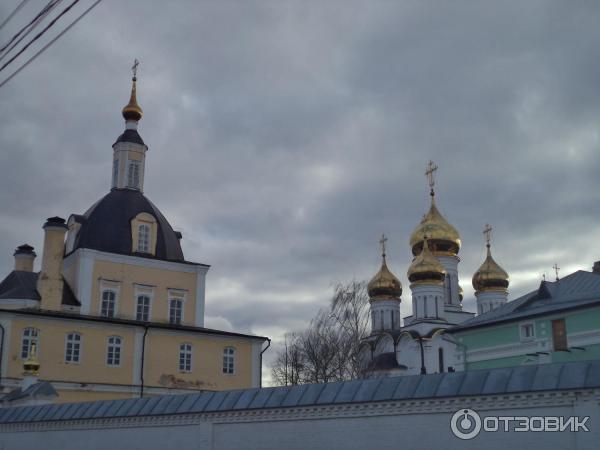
x,y
142,362
261,359
1,352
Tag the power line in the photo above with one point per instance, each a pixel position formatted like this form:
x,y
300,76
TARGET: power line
x,y
45,47
16,10
37,36
49,6
39,18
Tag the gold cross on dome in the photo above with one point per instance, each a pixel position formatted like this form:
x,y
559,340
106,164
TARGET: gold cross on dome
x,y
431,168
382,241
556,269
487,231
136,63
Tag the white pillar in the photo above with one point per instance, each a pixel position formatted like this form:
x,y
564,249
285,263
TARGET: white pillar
x,y
451,289
489,300
428,300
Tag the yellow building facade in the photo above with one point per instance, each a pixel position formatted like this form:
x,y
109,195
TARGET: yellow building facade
x,y
116,311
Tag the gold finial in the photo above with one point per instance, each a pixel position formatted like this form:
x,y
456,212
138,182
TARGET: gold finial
x,y
382,242
431,168
132,110
31,366
556,269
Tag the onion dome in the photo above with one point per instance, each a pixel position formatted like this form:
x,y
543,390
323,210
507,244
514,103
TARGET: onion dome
x,y
443,237
133,111
384,285
31,366
425,268
490,276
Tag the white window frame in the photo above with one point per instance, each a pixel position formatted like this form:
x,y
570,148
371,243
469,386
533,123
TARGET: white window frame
x,y
137,304
147,241
228,358
131,180
31,338
182,302
79,349
186,355
522,335
115,346
115,301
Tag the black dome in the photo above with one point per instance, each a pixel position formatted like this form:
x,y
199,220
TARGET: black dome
x,y
106,226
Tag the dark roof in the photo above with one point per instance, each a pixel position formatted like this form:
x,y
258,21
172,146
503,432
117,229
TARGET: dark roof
x,y
23,285
538,378
41,388
131,322
130,136
577,290
20,285
107,226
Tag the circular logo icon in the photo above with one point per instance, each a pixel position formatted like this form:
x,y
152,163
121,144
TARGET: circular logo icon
x,y
465,424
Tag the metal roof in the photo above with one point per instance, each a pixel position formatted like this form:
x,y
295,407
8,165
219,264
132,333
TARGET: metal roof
x,y
578,289
545,377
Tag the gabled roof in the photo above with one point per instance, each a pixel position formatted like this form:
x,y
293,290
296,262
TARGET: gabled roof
x,y
506,380
39,389
577,290
22,285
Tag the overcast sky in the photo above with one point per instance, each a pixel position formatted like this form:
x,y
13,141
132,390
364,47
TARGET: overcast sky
x,y
285,137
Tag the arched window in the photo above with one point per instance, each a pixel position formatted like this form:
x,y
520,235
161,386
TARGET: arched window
x,y
185,358
109,300
143,308
30,336
229,360
115,175
441,359
113,351
143,238
133,174
73,348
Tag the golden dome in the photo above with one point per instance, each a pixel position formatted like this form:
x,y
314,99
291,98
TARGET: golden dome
x,y
31,365
490,276
132,111
425,268
384,285
443,237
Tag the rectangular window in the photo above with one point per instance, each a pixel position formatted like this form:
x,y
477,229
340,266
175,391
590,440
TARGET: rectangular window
x,y
73,348
175,311
559,334
185,358
527,332
143,239
115,175
133,174
109,299
30,337
113,351
228,360
143,308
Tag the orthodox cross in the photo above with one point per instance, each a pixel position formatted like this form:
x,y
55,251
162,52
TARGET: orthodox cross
x,y
556,269
431,168
487,231
136,63
382,241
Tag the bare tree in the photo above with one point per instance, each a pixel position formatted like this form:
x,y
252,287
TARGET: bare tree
x,y
328,349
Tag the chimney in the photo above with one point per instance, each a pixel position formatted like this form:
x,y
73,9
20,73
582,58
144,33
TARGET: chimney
x,y
50,281
24,258
596,268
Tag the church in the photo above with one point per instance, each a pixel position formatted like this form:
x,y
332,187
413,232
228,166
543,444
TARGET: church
x,y
116,311
558,322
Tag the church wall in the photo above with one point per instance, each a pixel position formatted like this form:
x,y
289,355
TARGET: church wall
x,y
161,281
